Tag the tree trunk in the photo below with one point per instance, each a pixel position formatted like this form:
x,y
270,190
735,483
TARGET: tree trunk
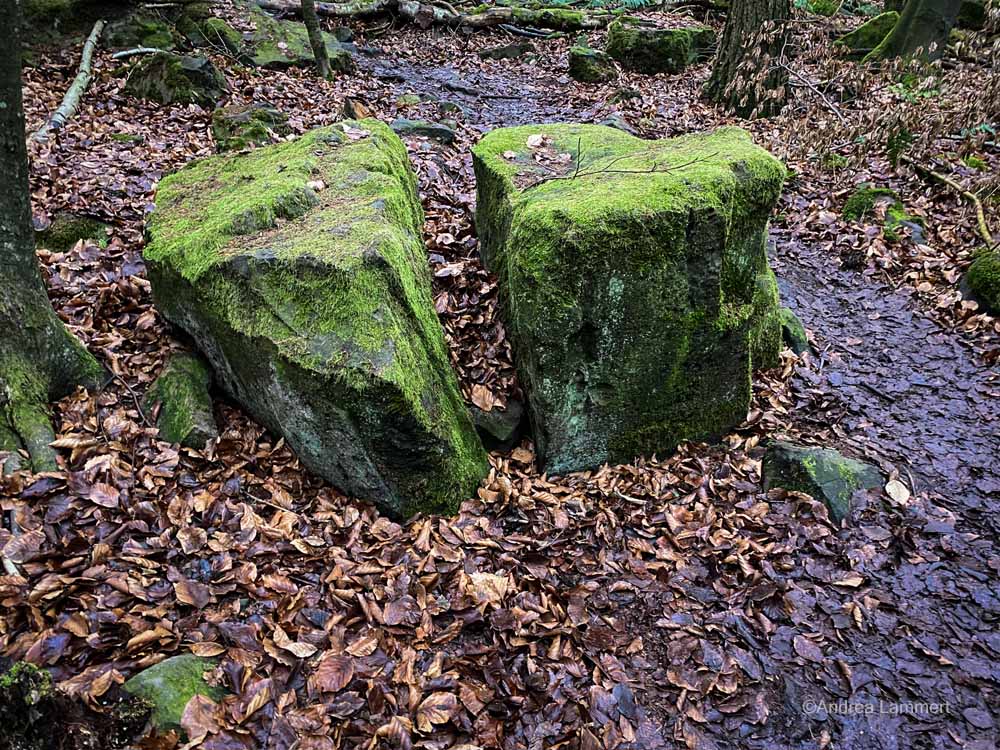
x,y
746,76
316,40
922,30
39,359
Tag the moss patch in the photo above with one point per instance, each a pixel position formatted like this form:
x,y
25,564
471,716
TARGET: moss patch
x,y
239,126
983,278
868,35
171,684
299,270
67,229
174,79
283,44
181,391
861,205
647,49
634,297
590,65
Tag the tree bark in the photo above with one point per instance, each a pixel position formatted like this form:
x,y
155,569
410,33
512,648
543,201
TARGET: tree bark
x,y
39,359
747,76
922,30
316,40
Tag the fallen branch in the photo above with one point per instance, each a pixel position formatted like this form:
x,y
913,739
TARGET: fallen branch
x,y
428,14
73,95
135,51
982,226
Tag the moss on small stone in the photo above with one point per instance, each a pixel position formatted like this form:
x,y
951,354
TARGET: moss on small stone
x,y
649,50
140,30
861,205
174,79
282,44
171,684
239,126
634,296
983,278
181,390
67,229
793,332
299,270
590,65
824,7
868,35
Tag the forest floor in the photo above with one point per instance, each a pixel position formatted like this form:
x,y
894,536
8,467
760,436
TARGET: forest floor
x,y
665,603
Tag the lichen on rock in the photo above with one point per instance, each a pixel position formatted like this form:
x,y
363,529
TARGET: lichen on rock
x,y
634,279
300,272
822,473
647,49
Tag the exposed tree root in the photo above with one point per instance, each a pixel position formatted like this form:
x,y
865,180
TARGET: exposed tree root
x,y
981,225
442,14
71,101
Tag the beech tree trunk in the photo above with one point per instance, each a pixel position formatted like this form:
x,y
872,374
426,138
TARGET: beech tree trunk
x,y
922,29
747,77
39,359
316,40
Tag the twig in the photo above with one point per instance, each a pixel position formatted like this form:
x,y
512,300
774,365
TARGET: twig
x,y
135,51
812,87
577,173
74,93
9,565
982,226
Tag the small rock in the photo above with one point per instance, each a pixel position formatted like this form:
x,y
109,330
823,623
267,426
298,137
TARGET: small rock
x,y
239,126
66,229
171,684
615,120
356,109
793,333
983,279
432,130
508,51
408,100
823,473
868,35
500,429
181,391
174,79
284,44
590,65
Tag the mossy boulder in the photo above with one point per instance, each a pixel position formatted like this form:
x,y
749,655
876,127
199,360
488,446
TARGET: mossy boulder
x,y
983,279
171,684
590,65
511,51
241,125
822,7
185,406
300,272
176,79
214,33
140,30
647,49
637,299
793,333
863,204
283,44
868,35
422,128
66,229
822,473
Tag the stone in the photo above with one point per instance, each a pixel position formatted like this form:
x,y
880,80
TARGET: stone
x,y
646,49
66,229
590,65
823,7
868,35
983,279
300,272
185,406
793,333
214,32
862,204
239,126
169,685
175,79
284,44
507,51
822,473
422,128
140,30
500,429
637,300
617,120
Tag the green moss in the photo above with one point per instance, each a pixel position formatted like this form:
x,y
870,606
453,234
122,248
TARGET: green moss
x,y
140,30
590,66
863,201
185,405
67,229
24,407
238,127
868,35
304,265
649,50
983,278
823,7
172,79
282,44
861,205
975,162
793,332
636,295
218,33
170,685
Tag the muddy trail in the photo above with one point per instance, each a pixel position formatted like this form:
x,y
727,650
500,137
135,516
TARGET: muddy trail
x,y
898,391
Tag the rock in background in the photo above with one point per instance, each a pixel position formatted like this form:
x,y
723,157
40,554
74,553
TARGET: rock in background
x,y
176,79
650,50
299,270
634,279
180,392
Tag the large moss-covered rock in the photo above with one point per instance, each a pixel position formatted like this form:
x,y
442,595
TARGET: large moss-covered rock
x,y
283,44
181,394
590,65
983,279
171,684
175,79
211,32
823,473
636,298
300,272
242,125
647,49
868,35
